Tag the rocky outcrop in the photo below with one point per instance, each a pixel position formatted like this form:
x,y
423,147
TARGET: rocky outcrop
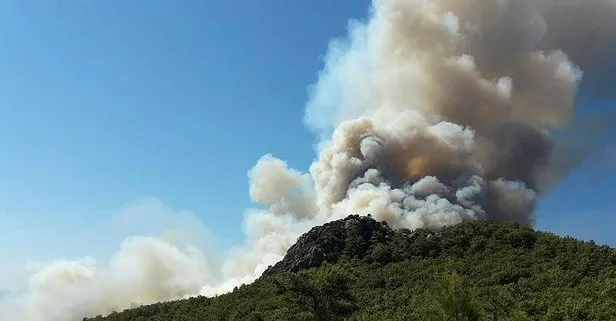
x,y
349,238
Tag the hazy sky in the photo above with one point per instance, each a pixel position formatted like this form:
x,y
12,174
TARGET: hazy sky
x,y
124,117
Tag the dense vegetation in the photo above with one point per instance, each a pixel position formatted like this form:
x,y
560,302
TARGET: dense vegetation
x,y
359,269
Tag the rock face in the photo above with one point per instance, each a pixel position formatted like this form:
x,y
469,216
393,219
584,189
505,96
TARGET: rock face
x,y
362,238
350,237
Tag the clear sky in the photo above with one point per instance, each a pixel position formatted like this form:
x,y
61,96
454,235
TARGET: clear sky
x,y
108,103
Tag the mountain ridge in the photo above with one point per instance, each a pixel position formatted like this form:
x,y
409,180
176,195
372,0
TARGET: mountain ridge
x,y
360,269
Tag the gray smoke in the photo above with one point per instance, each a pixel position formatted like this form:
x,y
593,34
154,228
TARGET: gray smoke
x,y
432,113
463,93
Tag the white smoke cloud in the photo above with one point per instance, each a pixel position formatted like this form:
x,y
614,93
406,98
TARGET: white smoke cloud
x,y
432,113
145,269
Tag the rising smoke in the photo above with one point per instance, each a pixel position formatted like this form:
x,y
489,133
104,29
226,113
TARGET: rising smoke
x,y
432,113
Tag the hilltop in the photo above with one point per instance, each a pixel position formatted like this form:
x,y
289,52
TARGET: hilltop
x,y
361,269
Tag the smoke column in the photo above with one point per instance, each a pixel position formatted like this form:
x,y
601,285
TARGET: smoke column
x,y
431,113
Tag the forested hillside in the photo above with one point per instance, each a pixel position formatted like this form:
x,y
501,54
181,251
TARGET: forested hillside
x,y
360,269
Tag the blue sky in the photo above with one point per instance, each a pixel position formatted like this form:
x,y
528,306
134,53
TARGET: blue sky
x,y
103,103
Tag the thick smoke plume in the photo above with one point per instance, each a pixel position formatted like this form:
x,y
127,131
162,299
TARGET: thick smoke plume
x,y
432,113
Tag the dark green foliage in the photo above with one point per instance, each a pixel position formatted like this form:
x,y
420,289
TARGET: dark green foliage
x,y
359,269
451,301
323,294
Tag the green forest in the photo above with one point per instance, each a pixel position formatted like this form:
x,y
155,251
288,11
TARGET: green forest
x,y
360,269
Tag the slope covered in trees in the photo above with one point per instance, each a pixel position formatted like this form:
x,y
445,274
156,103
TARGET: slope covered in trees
x,y
360,269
